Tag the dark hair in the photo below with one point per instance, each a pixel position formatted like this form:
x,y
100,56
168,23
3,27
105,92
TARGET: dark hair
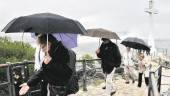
x,y
148,52
105,39
142,55
42,39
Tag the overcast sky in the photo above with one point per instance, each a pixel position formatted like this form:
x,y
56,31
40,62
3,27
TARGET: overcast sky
x,y
125,17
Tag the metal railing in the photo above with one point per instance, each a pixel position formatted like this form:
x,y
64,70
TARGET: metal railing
x,y
24,72
155,78
10,74
154,82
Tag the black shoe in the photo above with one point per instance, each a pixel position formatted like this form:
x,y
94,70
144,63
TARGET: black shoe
x,y
127,82
104,87
133,81
139,86
112,93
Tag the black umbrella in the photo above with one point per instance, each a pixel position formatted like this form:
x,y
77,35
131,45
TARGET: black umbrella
x,y
44,23
135,43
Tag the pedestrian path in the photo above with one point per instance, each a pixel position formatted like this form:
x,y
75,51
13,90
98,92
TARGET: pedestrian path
x,y
122,89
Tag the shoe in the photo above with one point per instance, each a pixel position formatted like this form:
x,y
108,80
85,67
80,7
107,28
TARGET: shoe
x,y
133,81
139,86
104,87
127,82
112,93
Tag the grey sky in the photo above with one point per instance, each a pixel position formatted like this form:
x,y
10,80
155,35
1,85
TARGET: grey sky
x,y
126,17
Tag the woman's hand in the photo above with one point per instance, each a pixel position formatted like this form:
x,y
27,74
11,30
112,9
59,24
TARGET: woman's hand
x,y
47,59
24,89
97,51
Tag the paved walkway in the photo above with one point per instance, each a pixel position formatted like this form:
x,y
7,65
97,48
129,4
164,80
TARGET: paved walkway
x,y
122,89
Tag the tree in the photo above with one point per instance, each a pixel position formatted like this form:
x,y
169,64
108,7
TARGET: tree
x,y
15,51
88,57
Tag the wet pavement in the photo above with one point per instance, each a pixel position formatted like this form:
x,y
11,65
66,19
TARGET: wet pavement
x,y
122,89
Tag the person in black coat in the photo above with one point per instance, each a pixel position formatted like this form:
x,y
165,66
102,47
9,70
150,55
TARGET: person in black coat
x,y
109,54
111,58
54,68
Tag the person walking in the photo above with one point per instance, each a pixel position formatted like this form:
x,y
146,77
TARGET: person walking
x,y
143,69
111,58
129,66
54,70
72,87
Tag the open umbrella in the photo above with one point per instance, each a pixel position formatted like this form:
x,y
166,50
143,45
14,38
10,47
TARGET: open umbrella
x,y
102,33
44,23
69,40
135,43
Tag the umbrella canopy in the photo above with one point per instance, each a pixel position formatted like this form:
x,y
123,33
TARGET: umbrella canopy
x,y
44,23
102,33
135,43
69,40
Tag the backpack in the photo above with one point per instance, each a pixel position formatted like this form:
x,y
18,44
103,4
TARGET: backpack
x,y
111,53
73,86
117,56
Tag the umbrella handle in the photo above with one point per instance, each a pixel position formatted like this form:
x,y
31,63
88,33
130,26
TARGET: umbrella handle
x,y
47,43
99,43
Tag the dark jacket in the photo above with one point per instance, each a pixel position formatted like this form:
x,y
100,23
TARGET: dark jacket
x,y
57,72
73,86
110,56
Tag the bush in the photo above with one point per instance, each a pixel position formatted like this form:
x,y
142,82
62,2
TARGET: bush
x,y
15,51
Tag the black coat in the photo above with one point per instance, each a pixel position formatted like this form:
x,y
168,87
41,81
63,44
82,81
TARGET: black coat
x,y
110,56
57,72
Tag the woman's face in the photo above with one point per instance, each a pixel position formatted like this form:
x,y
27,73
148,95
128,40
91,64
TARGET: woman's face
x,y
141,57
44,47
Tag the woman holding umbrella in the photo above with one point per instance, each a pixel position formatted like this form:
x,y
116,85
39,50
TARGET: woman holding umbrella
x,y
52,65
54,68
143,69
111,59
69,41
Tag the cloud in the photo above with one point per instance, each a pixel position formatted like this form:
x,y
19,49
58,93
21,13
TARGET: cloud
x,y
115,15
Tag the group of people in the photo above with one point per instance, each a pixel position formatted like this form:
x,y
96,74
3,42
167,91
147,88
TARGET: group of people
x,y
111,59
143,62
54,71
